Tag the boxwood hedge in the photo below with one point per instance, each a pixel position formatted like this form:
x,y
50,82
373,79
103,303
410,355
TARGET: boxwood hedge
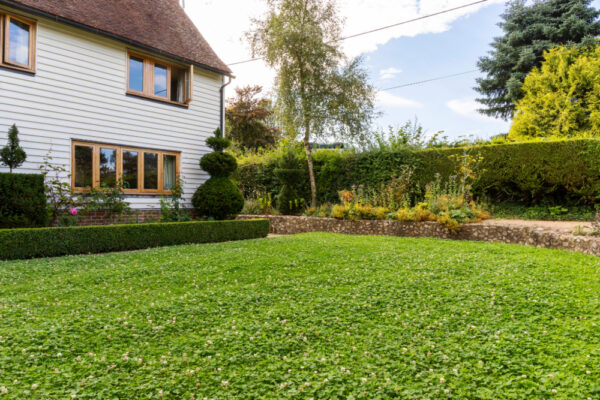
x,y
52,242
559,172
22,201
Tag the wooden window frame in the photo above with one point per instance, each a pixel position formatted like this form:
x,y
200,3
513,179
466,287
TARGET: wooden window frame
x,y
140,164
148,79
5,19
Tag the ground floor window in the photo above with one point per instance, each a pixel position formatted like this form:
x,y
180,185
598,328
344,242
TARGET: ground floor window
x,y
136,170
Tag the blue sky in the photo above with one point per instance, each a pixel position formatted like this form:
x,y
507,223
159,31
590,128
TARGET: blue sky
x,y
433,55
442,45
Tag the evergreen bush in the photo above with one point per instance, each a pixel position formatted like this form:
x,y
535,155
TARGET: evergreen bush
x,y
289,174
22,201
218,197
538,172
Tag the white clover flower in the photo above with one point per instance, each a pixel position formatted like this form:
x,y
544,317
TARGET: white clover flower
x,y
224,383
34,386
3,390
442,380
554,391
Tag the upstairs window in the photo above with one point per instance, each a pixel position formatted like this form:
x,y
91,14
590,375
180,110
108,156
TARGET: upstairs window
x,y
17,43
159,80
137,171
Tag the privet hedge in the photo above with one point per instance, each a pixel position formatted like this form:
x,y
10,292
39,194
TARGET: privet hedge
x,y
22,201
560,172
52,242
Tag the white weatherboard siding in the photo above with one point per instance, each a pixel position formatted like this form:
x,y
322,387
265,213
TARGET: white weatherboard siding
x,y
78,93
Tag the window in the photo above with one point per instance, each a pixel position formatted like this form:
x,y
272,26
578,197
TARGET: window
x,y
17,43
159,80
136,74
137,171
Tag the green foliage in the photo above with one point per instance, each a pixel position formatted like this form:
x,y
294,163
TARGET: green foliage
x,y
22,201
289,173
218,198
250,120
550,172
320,316
218,164
172,208
107,199
12,155
319,92
53,242
530,28
562,97
511,210
61,198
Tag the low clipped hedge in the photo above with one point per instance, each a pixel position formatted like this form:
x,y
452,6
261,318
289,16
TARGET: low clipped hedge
x,y
558,172
53,242
22,201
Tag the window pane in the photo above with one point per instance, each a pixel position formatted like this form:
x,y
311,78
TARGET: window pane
x,y
170,171
83,166
179,82
18,42
136,74
130,169
108,167
150,171
160,80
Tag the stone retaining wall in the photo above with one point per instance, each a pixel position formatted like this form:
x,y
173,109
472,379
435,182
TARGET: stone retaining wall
x,y
529,236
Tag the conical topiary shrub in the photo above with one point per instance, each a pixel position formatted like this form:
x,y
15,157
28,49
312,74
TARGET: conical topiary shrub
x,y
289,174
218,197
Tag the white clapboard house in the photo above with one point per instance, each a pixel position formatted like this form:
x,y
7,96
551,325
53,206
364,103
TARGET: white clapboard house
x,y
113,90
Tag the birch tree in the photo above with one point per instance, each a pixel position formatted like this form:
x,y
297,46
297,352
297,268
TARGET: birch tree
x,y
321,94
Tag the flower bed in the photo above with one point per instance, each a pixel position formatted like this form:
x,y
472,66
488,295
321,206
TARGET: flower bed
x,y
52,242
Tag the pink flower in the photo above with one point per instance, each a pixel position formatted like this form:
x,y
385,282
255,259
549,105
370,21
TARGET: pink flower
x,y
73,211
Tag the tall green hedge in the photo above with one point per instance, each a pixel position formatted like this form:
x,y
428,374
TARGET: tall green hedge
x,y
560,172
22,201
52,242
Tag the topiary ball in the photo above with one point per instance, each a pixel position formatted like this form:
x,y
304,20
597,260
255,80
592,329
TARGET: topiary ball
x,y
218,198
218,164
218,143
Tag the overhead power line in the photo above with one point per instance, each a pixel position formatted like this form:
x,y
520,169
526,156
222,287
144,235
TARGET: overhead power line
x,y
385,27
439,78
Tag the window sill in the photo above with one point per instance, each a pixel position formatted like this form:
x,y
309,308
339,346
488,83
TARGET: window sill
x,y
29,71
156,99
130,194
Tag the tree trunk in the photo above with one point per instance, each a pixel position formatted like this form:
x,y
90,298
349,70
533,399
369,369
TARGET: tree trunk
x,y
311,170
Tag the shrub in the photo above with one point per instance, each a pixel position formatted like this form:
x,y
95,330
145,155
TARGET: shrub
x,y
22,201
289,174
13,156
558,172
52,242
218,197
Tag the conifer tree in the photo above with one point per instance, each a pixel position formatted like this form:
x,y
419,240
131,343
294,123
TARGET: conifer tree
x,y
530,28
12,155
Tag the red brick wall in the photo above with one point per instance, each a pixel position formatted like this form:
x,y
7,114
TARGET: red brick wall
x,y
102,218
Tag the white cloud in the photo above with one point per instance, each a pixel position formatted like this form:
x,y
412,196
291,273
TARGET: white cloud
x,y
223,23
467,108
385,99
389,73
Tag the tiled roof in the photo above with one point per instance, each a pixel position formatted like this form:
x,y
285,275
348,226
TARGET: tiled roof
x,y
160,25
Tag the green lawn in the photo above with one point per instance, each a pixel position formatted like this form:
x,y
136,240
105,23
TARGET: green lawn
x,y
308,316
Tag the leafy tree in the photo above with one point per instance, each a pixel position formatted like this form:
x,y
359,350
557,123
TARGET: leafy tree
x,y
250,119
320,94
529,30
562,98
13,156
